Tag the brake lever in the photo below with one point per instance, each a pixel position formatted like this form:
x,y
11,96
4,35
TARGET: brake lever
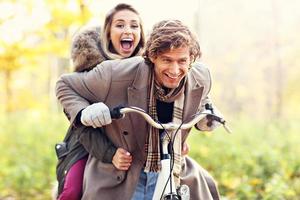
x,y
227,128
212,117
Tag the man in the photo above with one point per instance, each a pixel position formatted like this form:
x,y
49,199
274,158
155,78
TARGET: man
x,y
166,83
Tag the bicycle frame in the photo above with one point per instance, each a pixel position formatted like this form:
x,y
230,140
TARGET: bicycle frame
x,y
165,186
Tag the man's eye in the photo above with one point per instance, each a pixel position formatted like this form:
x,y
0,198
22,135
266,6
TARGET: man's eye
x,y
182,61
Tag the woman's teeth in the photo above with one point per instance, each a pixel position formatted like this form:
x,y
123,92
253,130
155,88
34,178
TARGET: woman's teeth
x,y
126,43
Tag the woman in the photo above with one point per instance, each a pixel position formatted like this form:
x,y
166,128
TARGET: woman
x,y
122,36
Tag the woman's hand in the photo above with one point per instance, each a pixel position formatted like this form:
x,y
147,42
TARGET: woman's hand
x,y
185,149
122,159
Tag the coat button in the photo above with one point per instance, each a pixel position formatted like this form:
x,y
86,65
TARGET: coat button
x,y
125,133
119,178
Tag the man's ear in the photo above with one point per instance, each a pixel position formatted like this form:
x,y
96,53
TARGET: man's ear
x,y
192,59
152,59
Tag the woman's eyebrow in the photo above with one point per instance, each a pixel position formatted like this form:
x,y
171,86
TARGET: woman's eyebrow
x,y
122,20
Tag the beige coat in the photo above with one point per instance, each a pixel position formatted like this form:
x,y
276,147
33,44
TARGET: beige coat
x,y
125,82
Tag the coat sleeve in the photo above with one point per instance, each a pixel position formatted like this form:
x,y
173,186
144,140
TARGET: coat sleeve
x,y
96,142
75,91
206,104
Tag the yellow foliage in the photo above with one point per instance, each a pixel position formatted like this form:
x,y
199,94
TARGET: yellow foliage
x,y
255,181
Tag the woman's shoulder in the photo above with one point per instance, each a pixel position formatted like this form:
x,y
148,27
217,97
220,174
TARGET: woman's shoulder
x,y
86,50
124,69
125,64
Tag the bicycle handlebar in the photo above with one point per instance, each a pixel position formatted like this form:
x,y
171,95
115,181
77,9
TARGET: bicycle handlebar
x,y
118,112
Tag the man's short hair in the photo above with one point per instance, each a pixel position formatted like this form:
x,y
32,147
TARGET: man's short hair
x,y
171,34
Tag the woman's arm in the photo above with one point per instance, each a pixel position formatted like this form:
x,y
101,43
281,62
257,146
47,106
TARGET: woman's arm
x,y
75,91
96,142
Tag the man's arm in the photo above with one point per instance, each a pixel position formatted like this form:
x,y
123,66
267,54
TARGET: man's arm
x,y
206,124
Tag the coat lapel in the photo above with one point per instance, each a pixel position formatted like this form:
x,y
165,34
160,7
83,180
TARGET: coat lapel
x,y
137,96
193,95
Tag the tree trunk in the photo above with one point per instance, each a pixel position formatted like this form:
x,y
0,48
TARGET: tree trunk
x,y
8,91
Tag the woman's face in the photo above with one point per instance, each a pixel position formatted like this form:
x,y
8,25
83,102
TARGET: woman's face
x,y
125,32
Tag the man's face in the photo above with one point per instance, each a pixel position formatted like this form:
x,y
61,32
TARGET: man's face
x,y
171,67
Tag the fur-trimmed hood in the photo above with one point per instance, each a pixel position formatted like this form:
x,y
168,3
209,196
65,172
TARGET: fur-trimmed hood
x,y
86,50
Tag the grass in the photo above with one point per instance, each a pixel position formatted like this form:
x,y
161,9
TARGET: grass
x,y
257,161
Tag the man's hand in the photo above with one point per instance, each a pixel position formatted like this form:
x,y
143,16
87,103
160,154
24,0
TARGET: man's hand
x,y
122,159
95,115
209,123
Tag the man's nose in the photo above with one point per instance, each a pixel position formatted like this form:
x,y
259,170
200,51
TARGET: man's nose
x,y
175,69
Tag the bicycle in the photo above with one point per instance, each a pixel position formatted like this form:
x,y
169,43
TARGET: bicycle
x,y
165,186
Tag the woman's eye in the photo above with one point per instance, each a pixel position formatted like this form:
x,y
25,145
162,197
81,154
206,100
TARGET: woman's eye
x,y
135,26
120,25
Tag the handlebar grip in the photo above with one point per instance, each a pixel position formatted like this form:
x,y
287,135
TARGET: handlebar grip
x,y
211,118
115,113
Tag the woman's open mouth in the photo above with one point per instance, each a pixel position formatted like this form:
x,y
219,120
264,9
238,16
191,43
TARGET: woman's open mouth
x,y
127,44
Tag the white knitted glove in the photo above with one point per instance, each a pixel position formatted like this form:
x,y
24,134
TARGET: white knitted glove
x,y
95,115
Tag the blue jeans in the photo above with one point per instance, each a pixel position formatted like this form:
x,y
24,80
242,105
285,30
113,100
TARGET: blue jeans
x,y
146,186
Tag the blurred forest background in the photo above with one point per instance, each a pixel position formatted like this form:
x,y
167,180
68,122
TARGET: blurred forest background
x,y
252,48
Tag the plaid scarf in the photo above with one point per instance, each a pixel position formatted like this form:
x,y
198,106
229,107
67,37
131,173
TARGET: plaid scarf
x,y
152,147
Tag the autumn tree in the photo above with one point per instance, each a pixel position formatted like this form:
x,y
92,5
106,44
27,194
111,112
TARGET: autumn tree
x,y
47,30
